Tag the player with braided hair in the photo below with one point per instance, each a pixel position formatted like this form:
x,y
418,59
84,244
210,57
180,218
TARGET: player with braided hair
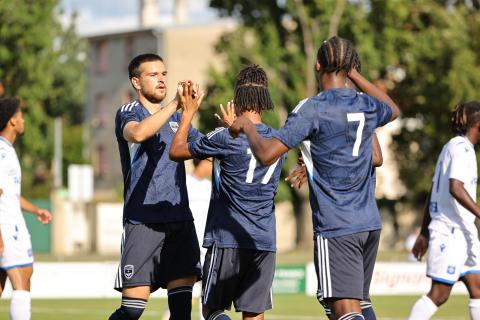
x,y
240,230
335,130
448,228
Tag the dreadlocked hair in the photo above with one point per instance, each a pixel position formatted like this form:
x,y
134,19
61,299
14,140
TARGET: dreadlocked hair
x,y
464,116
337,54
251,90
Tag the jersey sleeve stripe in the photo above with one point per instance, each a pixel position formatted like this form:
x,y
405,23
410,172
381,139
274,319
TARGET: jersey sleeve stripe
x,y
299,105
214,132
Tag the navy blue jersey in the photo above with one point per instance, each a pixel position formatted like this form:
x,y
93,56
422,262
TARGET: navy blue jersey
x,y
336,129
242,208
155,187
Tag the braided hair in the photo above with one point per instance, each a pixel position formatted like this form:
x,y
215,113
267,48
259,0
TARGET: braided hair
x,y
464,116
337,54
251,90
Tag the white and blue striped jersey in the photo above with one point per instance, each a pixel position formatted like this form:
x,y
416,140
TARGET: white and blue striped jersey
x,y
155,188
335,129
10,183
456,161
242,208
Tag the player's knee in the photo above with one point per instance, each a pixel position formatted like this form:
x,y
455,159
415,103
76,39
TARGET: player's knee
x,y
438,298
131,309
352,316
127,314
217,315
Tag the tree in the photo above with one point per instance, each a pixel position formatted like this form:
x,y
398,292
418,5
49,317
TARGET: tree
x,y
426,53
32,70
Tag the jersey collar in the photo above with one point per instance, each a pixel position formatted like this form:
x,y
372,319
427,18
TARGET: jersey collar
x,y
6,141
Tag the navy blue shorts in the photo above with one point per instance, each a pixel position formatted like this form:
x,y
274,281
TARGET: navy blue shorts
x,y
344,265
154,254
241,276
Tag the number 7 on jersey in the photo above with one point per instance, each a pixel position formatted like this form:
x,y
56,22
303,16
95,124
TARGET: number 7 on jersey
x,y
360,117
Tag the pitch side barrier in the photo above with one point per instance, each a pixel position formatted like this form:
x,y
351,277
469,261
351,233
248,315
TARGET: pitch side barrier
x,y
95,280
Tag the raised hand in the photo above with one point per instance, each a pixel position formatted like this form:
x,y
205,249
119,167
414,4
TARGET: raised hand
x,y
190,96
228,116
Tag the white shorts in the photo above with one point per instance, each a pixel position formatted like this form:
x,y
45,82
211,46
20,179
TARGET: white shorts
x,y
452,252
17,250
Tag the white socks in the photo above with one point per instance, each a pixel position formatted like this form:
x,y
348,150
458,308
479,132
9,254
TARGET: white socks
x,y
474,306
423,309
20,306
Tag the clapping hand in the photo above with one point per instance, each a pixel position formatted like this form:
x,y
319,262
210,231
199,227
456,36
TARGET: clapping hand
x,y
228,116
190,96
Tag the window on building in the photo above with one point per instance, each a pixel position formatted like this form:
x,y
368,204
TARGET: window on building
x,y
101,56
101,161
128,50
101,110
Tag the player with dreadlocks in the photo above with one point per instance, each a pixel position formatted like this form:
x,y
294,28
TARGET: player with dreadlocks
x,y
448,227
335,130
240,230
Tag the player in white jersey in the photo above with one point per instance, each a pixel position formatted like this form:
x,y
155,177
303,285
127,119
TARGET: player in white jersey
x,y
16,260
448,227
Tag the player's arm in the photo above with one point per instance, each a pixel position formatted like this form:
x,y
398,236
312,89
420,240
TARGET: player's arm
x,y
370,89
457,190
43,215
266,151
138,132
376,152
421,243
179,149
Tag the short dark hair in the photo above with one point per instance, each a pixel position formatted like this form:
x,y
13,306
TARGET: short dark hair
x,y
337,54
464,116
8,107
251,90
134,65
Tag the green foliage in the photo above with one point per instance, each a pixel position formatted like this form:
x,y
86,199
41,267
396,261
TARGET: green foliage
x,y
436,43
40,64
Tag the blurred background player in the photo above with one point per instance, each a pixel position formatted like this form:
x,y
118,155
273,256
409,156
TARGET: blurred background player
x,y
159,243
336,128
240,231
16,260
199,187
448,227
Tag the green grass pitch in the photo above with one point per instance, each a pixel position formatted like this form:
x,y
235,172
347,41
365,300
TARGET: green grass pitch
x,y
286,307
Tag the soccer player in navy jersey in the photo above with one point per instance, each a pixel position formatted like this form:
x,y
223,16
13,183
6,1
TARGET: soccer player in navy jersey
x,y
159,243
240,231
335,129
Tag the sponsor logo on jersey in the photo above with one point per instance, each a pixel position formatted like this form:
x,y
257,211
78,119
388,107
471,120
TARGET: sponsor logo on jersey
x,y
128,271
29,252
451,269
173,126
442,247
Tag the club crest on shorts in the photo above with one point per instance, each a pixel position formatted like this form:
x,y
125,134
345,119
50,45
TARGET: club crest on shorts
x,y
128,271
173,126
451,269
